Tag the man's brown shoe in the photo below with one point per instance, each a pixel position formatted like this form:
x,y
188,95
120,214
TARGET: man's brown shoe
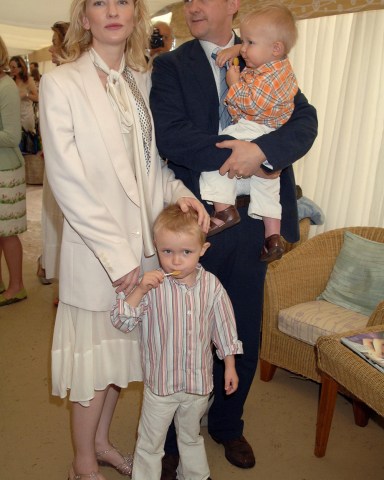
x,y
169,467
238,452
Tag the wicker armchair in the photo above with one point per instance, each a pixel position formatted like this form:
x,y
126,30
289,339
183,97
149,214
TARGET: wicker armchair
x,y
300,276
304,225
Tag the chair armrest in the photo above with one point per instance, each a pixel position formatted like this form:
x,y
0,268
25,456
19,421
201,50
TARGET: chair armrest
x,y
304,226
377,316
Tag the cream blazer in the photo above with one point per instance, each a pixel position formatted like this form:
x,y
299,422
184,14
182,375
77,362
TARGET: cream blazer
x,y
92,177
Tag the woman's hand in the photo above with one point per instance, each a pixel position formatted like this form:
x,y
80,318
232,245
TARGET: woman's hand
x,y
203,217
128,282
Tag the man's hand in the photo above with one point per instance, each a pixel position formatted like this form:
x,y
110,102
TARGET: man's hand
x,y
244,161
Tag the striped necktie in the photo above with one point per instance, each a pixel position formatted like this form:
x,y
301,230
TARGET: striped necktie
x,y
225,118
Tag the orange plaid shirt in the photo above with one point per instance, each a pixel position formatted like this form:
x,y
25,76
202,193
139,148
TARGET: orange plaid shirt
x,y
264,95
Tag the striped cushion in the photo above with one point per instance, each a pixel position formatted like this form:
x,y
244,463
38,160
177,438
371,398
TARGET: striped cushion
x,y
357,279
309,321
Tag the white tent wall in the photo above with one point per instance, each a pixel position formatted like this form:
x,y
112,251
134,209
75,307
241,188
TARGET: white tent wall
x,y
25,24
339,62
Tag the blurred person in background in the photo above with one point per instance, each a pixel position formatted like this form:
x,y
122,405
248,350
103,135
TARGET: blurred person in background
x,y
13,219
33,66
162,40
56,49
27,91
35,74
51,216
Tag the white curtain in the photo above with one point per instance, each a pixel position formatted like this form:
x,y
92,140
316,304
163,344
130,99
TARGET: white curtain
x,y
339,62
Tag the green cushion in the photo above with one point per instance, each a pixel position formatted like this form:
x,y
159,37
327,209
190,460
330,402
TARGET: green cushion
x,y
357,279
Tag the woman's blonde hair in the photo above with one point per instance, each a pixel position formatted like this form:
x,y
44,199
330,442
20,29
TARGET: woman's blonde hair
x,y
4,58
79,40
279,19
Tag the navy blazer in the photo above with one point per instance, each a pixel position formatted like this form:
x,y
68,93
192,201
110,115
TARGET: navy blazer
x,y
185,108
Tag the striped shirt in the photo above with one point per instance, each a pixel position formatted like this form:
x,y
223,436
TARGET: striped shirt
x,y
178,324
264,95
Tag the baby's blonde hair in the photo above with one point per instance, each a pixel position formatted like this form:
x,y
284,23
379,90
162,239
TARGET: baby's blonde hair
x,y
79,40
173,219
279,19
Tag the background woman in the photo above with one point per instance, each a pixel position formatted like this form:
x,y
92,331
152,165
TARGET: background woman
x,y
108,179
59,31
35,74
27,90
51,216
13,218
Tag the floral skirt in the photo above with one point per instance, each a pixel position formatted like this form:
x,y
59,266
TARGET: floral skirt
x,y
13,213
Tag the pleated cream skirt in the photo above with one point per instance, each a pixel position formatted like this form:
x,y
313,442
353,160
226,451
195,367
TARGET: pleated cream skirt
x,y
89,354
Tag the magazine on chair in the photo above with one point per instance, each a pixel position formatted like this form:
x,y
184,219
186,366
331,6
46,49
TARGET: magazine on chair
x,y
369,346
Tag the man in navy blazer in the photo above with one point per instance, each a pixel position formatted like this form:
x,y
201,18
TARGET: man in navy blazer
x,y
185,106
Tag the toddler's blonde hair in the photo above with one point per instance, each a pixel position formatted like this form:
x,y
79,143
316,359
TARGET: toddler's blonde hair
x,y
173,219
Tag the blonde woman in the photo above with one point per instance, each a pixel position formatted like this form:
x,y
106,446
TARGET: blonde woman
x,y
108,179
13,220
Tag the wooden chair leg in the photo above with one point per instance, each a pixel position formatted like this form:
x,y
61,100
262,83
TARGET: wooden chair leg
x,y
360,412
325,411
267,370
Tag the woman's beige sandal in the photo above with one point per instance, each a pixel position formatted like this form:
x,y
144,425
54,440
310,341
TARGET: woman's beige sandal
x,y
91,476
82,476
125,467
